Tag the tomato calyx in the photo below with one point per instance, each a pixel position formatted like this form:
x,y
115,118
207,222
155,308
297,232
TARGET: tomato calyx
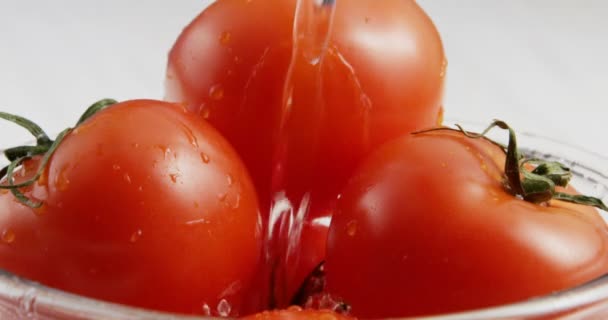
x,y
44,147
536,185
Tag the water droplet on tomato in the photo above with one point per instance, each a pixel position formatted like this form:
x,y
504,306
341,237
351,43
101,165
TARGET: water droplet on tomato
x,y
339,196
222,197
205,157
351,228
237,59
61,181
224,308
136,235
183,106
8,236
190,136
225,37
173,177
237,202
216,92
127,178
204,110
444,66
116,167
229,179
135,145
206,310
197,222
294,308
206,113
140,188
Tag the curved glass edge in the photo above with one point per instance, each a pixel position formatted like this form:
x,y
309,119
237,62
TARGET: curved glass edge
x,y
573,302
24,299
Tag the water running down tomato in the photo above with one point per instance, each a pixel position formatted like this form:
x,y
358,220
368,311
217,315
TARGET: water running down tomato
x,y
303,106
141,204
381,75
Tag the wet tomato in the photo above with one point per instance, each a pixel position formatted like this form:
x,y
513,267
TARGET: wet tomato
x,y
382,75
427,226
143,204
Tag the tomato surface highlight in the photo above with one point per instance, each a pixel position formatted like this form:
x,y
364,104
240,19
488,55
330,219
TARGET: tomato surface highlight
x,y
382,75
426,226
144,204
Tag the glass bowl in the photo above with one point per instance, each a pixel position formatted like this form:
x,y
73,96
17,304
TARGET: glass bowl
x,y
24,299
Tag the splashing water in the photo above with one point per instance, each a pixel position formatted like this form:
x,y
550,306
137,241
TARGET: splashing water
x,y
298,139
224,308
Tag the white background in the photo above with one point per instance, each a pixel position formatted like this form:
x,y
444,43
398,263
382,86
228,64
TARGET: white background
x,y
540,64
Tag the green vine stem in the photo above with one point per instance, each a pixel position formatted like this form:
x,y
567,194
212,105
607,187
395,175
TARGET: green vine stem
x,y
44,147
536,185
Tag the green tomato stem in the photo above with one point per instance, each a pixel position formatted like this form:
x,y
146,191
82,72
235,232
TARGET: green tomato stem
x,y
94,108
41,137
44,146
536,186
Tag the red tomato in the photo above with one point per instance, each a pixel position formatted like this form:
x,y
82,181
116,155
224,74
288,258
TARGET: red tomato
x,y
144,204
426,226
296,313
382,76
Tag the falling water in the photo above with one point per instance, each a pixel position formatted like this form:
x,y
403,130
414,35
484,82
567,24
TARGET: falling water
x,y
302,112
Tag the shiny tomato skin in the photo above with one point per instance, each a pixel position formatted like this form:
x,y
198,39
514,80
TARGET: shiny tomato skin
x,y
297,313
145,205
382,76
425,227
